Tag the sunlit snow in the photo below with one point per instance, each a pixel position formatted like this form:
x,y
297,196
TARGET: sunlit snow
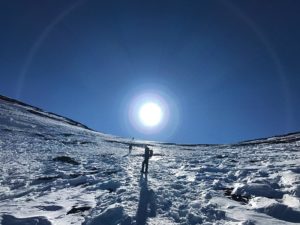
x,y
56,171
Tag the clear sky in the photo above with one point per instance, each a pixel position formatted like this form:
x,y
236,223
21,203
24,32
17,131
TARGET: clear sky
x,y
222,71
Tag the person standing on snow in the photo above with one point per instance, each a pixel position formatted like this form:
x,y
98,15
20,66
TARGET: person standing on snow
x,y
130,149
130,146
147,155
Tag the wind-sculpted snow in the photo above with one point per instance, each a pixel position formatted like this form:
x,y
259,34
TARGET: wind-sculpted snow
x,y
57,172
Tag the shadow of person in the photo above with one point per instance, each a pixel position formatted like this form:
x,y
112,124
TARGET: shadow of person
x,y
147,202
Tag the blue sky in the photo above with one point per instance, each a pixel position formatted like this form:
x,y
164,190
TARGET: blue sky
x,y
228,70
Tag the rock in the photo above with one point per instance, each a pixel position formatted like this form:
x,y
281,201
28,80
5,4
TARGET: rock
x,y
236,197
221,156
78,209
66,159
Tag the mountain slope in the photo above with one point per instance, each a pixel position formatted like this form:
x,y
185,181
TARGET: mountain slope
x,y
57,171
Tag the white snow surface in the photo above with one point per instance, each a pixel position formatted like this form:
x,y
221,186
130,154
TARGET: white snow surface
x,y
186,184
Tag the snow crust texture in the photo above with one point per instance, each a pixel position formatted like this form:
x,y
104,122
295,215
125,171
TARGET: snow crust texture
x,y
58,172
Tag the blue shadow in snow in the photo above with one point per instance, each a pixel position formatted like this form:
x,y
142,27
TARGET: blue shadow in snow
x,y
147,202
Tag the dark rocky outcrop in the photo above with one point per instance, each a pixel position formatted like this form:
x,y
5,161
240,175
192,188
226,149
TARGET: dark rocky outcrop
x,y
76,209
66,159
236,197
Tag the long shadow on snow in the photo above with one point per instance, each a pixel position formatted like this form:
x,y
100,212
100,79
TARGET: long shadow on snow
x,y
147,202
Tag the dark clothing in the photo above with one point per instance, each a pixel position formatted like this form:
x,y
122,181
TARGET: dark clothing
x,y
147,153
146,160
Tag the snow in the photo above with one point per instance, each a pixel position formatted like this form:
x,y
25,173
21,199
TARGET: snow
x,y
256,189
97,181
112,215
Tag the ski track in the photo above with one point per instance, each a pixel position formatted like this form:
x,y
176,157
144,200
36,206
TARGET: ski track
x,y
185,184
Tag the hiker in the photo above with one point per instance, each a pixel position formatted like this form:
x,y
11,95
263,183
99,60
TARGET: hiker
x,y
147,155
131,145
130,148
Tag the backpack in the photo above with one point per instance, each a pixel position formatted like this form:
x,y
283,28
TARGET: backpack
x,y
150,153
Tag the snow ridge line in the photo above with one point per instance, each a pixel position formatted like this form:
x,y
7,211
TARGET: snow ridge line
x,y
42,113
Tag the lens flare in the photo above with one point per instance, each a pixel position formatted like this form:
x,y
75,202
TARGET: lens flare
x,y
150,114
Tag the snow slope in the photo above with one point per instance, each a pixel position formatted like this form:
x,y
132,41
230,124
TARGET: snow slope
x,y
57,171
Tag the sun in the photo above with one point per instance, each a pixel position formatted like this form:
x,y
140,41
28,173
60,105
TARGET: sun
x,y
150,114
